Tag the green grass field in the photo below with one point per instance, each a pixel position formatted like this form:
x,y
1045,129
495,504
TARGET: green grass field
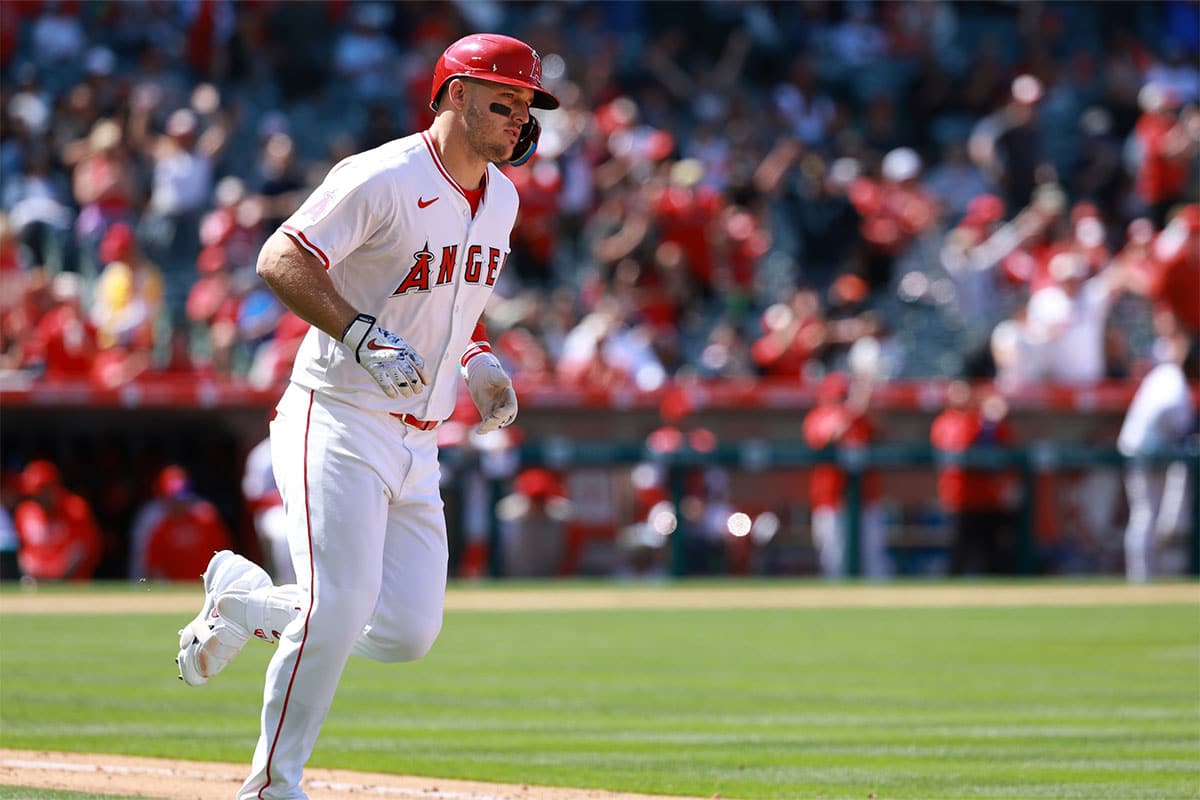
x,y
21,793
1041,702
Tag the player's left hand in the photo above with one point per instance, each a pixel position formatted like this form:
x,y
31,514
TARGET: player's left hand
x,y
492,391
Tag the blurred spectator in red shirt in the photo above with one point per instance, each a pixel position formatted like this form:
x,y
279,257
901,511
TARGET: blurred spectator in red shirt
x,y
212,307
1043,229
894,212
272,361
839,420
176,533
1168,269
236,224
24,298
792,333
63,342
533,525
688,213
59,536
10,249
1164,152
978,502
535,234
747,240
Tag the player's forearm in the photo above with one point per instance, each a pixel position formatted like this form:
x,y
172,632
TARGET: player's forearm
x,y
301,283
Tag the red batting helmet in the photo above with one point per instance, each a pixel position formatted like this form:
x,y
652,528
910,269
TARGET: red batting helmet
x,y
39,475
495,58
172,482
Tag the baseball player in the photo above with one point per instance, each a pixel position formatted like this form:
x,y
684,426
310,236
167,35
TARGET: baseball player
x,y
392,260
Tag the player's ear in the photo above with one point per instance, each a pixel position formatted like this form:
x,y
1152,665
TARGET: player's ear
x,y
456,91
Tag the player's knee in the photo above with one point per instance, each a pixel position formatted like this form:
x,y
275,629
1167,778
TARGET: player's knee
x,y
348,611
409,642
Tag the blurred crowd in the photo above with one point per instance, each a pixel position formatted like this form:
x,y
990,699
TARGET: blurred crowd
x,y
990,190
747,189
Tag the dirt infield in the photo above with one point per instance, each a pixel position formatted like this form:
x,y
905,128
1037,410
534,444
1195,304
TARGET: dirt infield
x,y
153,600
198,780
190,780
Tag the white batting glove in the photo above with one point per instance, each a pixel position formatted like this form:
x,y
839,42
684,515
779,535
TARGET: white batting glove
x,y
394,365
492,391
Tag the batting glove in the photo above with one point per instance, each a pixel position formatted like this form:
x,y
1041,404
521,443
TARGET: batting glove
x,y
492,391
395,366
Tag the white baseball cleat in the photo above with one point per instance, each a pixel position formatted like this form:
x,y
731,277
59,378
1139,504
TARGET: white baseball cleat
x,y
209,642
263,613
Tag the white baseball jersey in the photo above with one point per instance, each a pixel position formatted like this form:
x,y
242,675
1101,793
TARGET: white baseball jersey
x,y
396,233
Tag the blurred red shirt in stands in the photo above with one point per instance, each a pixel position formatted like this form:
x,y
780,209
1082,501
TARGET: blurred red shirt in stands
x,y
1030,263
273,360
835,423
180,543
688,215
63,341
59,536
1175,267
536,229
896,209
24,299
526,353
961,426
748,240
1162,173
792,333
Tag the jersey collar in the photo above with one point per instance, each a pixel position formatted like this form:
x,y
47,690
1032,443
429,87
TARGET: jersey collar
x,y
437,162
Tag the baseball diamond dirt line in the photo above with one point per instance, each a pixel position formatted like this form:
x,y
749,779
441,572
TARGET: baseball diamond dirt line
x,y
149,601
198,780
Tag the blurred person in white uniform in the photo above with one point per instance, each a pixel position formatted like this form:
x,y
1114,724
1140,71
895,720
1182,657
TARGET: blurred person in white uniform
x,y
266,508
1162,415
1065,322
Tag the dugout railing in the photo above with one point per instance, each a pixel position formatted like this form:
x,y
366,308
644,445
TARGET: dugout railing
x,y
756,455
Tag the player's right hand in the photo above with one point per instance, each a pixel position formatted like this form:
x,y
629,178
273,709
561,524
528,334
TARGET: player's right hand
x,y
395,366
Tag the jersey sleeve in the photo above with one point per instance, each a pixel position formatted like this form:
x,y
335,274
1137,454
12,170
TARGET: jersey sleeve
x,y
479,343
345,211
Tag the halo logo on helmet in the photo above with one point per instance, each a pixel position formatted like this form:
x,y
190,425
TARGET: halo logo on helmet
x,y
535,71
492,57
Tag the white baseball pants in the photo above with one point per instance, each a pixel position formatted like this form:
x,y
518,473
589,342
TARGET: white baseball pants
x,y
368,539
829,527
1158,504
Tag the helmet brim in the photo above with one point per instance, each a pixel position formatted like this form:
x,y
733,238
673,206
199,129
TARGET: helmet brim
x,y
541,98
